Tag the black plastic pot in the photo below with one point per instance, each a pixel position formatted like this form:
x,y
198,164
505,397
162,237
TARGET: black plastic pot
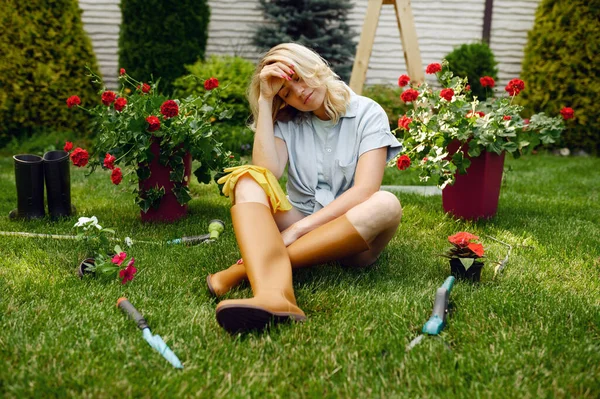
x,y
29,178
58,184
82,270
473,273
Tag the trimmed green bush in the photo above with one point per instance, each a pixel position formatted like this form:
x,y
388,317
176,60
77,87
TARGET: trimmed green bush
x,y
157,38
561,68
389,98
234,75
474,61
44,53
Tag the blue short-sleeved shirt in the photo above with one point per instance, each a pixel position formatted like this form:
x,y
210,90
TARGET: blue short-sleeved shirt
x,y
322,161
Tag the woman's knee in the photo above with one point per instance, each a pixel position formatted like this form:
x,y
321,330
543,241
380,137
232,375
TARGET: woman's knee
x,y
386,206
248,190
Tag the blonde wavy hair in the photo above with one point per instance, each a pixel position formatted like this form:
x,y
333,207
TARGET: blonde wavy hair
x,y
313,70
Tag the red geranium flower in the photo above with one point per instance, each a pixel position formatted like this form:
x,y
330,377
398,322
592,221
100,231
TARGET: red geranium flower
x,y
153,123
109,161
462,238
476,248
122,71
68,146
211,83
146,88
403,162
116,176
403,80
128,273
409,95
447,94
108,97
507,117
169,109
478,113
120,103
73,101
567,113
404,121
433,68
487,81
468,88
80,157
515,86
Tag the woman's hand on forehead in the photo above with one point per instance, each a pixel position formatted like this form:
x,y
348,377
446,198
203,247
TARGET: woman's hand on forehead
x,y
272,78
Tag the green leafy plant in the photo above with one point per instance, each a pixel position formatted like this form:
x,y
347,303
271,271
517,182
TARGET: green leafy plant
x,y
440,117
389,98
474,61
130,121
465,248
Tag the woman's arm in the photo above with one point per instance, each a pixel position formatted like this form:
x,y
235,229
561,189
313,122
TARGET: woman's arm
x,y
268,151
367,181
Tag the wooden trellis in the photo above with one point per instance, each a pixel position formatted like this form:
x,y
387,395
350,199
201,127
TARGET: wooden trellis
x,y
408,36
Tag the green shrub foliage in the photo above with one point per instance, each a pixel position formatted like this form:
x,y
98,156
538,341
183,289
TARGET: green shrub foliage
x,y
157,38
234,75
318,24
44,53
561,68
473,61
389,98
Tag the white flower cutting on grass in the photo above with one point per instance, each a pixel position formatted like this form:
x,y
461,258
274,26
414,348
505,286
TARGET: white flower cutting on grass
x,y
87,223
128,241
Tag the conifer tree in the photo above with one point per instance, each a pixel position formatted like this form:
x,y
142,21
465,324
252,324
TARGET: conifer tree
x,y
317,24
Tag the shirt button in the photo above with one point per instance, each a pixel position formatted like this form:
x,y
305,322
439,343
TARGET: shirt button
x,y
328,149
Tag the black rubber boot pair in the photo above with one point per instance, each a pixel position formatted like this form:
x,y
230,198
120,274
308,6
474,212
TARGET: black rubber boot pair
x,y
30,173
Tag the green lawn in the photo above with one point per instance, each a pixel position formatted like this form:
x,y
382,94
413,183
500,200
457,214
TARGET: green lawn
x,y
534,332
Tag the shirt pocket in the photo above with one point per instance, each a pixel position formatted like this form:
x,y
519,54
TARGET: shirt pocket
x,y
344,173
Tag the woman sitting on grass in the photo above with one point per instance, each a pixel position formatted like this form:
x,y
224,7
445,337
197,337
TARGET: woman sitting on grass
x,y
336,144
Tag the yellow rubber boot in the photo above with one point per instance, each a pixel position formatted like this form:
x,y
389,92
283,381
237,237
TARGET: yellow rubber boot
x,y
332,241
269,271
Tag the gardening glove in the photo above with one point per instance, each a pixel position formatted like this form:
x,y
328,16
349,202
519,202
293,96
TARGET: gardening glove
x,y
264,177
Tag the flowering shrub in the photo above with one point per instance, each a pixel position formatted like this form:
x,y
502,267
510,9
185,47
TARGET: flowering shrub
x,y
442,116
109,261
465,248
127,122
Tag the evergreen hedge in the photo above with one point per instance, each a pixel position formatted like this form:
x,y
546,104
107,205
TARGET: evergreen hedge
x,y
474,61
561,68
157,38
44,53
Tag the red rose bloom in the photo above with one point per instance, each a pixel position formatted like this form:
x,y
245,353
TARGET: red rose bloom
x,y
409,95
116,176
169,109
68,146
211,83
109,161
567,113
515,86
462,239
433,68
73,101
506,117
476,248
403,80
403,162
108,97
128,273
447,94
153,123
404,121
120,103
80,157
487,81
122,71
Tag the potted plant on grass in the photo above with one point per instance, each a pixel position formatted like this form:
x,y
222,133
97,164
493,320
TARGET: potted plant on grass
x,y
464,256
461,143
152,139
102,258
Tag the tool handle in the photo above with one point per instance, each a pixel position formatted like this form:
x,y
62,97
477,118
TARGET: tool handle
x,y
449,283
440,306
132,312
193,240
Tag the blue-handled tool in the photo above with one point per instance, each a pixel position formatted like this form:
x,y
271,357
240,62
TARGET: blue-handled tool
x,y
437,321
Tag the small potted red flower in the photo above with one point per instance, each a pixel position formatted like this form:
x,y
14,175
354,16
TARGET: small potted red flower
x,y
465,256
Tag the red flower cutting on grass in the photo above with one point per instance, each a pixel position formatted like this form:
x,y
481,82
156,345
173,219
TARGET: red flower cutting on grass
x,y
109,161
403,162
80,157
128,273
73,101
68,146
108,97
211,83
153,123
116,176
169,109
403,80
120,104
119,258
433,68
567,113
462,238
409,95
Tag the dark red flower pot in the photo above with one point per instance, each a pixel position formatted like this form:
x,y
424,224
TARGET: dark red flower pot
x,y
473,273
475,195
169,209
